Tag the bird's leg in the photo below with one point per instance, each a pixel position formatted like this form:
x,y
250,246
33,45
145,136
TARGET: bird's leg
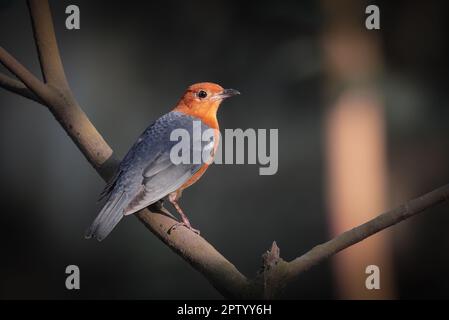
x,y
173,198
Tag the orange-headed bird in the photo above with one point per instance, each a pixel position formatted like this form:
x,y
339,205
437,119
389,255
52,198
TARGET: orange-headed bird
x,y
147,174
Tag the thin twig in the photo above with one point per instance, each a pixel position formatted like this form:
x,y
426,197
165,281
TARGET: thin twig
x,y
381,222
18,87
22,73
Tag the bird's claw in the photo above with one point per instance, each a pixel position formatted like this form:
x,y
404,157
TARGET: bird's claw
x,y
183,224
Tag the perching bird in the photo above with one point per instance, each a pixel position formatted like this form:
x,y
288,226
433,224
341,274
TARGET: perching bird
x,y
148,174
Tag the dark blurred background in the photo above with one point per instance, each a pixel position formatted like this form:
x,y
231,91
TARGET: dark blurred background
x,y
363,126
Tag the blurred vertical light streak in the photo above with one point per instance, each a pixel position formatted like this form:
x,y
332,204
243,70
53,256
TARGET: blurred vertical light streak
x,y
355,148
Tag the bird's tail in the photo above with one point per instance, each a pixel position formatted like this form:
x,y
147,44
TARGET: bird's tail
x,y
109,216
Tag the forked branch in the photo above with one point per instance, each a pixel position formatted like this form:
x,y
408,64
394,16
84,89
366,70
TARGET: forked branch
x,y
55,93
17,87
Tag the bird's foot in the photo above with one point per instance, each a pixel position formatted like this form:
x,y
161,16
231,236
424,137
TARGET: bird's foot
x,y
183,224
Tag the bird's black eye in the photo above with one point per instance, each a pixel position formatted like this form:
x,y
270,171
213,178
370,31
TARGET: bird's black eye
x,y
202,94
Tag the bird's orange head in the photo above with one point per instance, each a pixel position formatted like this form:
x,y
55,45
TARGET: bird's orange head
x,y
202,100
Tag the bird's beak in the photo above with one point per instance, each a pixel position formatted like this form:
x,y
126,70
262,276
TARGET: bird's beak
x,y
227,93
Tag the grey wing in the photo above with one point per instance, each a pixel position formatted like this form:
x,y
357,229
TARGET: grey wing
x,y
161,178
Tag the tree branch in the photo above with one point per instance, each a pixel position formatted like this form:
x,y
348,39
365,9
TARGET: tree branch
x,y
320,252
201,255
18,87
22,73
47,46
